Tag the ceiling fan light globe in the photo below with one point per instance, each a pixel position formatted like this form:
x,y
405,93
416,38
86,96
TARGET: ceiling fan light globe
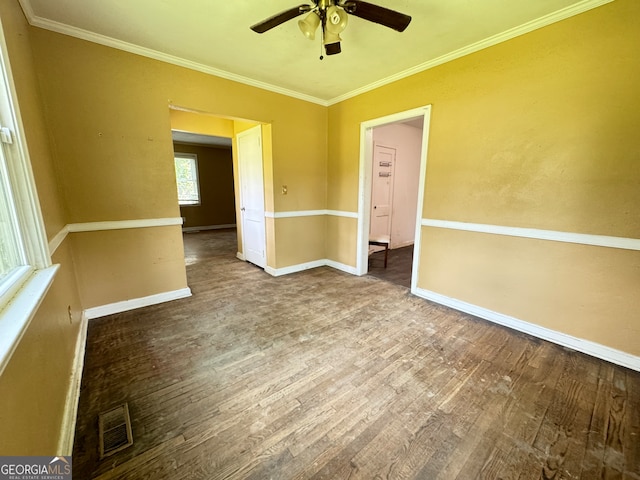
x,y
309,24
337,20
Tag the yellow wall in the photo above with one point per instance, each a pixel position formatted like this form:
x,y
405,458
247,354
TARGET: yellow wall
x,y
117,265
537,132
202,123
109,113
341,245
35,383
297,241
540,132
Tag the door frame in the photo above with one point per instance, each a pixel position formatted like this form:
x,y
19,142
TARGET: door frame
x,y
365,178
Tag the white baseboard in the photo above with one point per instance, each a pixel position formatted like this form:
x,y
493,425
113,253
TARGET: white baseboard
x,y
276,272
68,427
585,346
126,305
208,227
342,267
240,256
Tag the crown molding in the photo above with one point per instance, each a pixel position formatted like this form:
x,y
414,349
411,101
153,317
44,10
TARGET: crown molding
x,y
554,17
82,34
562,14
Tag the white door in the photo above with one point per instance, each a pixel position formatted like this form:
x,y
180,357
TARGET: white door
x,y
252,196
384,159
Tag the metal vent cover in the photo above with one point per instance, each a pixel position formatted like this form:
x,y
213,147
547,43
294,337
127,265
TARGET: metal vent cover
x,y
114,430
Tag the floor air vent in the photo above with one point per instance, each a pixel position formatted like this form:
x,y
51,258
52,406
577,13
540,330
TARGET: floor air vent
x,y
115,430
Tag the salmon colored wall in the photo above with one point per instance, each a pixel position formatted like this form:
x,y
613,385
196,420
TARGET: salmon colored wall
x,y
537,132
34,385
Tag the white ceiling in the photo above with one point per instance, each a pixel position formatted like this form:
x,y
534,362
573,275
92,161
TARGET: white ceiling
x,y
199,139
214,36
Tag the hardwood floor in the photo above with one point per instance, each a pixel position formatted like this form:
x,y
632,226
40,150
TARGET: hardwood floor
x,y
323,375
398,269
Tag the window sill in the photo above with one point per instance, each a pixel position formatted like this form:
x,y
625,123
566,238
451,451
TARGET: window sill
x,y
18,313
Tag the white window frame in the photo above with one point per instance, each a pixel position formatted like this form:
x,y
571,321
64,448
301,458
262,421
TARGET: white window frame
x,y
25,287
194,157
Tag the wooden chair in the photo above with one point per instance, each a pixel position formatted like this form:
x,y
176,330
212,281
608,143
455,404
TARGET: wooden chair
x,y
381,241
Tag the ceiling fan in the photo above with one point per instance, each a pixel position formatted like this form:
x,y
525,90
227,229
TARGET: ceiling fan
x,y
333,16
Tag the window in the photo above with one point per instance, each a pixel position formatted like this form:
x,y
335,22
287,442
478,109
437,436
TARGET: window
x,y
25,264
12,255
187,178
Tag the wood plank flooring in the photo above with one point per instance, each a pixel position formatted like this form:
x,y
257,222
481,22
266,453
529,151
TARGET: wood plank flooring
x,y
323,375
398,269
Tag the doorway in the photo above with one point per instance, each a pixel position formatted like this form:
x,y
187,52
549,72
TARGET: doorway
x,y
387,178
239,137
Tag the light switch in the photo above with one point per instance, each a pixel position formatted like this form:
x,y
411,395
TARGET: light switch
x,y
284,189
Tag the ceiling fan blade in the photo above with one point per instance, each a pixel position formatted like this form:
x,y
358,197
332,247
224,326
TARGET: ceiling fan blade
x,y
280,18
377,14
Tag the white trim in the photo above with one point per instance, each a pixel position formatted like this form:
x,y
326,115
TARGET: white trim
x,y
541,22
68,428
23,186
364,180
342,267
13,282
156,55
123,224
277,272
240,256
585,346
297,213
57,240
126,305
17,315
310,213
208,227
340,213
554,17
556,236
